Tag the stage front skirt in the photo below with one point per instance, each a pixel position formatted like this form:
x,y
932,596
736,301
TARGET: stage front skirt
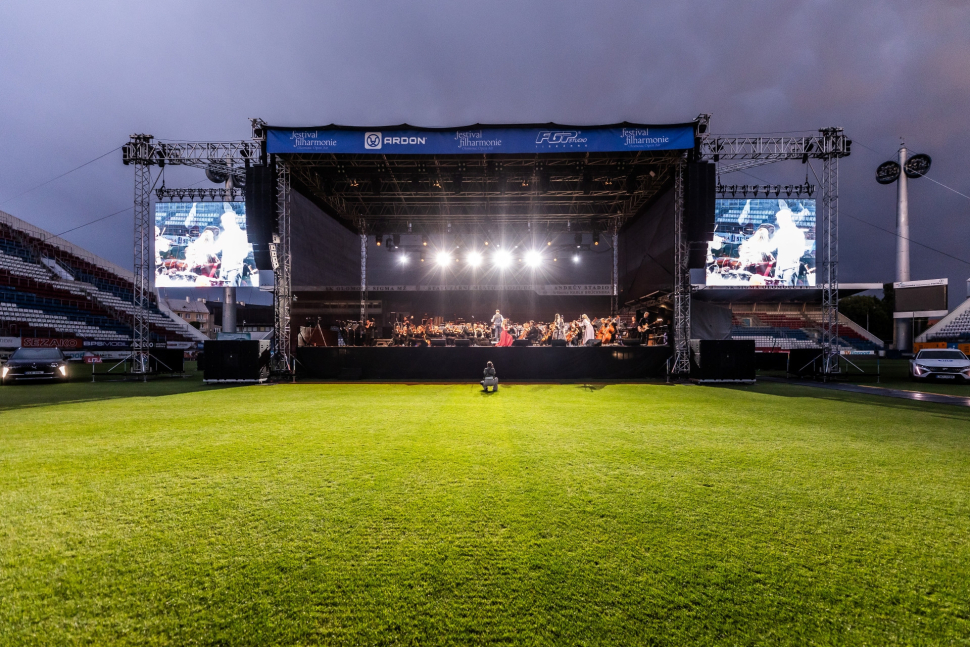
x,y
467,364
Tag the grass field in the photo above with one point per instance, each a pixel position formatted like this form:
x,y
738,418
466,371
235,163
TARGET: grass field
x,y
173,513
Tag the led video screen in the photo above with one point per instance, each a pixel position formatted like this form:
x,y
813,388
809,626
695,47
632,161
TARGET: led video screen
x,y
203,244
765,242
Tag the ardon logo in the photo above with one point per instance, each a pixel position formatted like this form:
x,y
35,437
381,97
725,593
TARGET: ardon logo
x,y
372,140
559,137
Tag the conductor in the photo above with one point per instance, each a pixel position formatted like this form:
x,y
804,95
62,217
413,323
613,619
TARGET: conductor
x,y
497,326
489,379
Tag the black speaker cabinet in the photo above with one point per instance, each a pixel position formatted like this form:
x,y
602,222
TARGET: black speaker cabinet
x,y
236,361
463,343
722,360
166,360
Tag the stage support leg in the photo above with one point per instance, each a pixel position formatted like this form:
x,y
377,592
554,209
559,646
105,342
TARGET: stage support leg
x,y
830,252
614,299
284,296
681,357
229,310
363,277
141,296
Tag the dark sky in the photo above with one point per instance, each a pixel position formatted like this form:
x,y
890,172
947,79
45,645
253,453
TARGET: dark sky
x,y
77,78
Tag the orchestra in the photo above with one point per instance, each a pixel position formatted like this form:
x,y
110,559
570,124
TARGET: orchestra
x,y
581,331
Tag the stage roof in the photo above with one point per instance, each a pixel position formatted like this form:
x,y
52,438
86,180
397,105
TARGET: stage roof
x,y
382,178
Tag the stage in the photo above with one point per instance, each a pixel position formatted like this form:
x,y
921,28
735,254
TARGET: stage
x,y
467,364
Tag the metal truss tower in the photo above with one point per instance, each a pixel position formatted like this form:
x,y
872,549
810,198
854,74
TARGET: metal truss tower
x,y
143,152
283,301
828,146
141,299
681,328
830,252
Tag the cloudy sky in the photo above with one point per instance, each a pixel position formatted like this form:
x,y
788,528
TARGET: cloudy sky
x,y
77,78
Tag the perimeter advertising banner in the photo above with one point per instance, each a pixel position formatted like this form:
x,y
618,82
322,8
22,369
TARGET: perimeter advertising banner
x,y
203,244
764,242
486,139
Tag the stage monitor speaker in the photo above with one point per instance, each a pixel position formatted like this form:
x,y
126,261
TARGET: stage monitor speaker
x,y
235,360
521,342
261,212
722,360
594,342
631,341
557,342
438,343
700,199
459,343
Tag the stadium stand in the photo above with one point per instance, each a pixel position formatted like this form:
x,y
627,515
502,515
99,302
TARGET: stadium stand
x,y
52,288
777,327
954,327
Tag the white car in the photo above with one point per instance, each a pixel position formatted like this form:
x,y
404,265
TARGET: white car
x,y
940,364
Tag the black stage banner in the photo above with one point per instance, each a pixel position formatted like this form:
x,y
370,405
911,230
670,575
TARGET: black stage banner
x,y
467,364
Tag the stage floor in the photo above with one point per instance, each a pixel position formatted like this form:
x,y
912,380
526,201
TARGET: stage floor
x,y
467,364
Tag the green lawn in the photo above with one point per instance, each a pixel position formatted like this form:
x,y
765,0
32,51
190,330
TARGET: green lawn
x,y
173,513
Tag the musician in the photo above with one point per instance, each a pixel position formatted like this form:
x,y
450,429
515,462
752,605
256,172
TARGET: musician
x,y
559,327
589,334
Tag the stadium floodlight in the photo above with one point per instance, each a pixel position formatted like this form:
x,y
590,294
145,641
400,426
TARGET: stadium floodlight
x,y
502,259
443,258
474,259
533,258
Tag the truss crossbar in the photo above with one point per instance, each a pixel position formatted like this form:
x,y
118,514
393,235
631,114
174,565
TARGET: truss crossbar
x,y
830,142
142,150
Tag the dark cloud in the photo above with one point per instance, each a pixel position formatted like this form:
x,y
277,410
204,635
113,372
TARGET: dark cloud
x,y
77,78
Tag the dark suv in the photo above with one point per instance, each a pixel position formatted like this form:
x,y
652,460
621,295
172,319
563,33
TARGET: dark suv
x,y
35,364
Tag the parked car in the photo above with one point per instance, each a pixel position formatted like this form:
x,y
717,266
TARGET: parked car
x,y
29,364
940,364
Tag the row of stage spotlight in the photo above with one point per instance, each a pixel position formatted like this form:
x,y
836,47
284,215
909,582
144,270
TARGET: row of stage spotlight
x,y
500,259
393,242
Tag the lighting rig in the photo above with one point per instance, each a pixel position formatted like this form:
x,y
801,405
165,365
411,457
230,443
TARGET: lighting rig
x,y
767,189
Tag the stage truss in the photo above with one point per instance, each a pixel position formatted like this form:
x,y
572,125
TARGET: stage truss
x,y
569,192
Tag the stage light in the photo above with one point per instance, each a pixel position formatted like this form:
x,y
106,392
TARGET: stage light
x,y
502,259
378,239
596,238
486,243
404,259
533,258
575,258
474,259
443,259
578,239
424,241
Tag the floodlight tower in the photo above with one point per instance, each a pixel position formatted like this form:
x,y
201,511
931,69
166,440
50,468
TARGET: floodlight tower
x,y
903,327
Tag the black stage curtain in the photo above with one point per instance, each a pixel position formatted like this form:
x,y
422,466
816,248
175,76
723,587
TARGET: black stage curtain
x,y
467,364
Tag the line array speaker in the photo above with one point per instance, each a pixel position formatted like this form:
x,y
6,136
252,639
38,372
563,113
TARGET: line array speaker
x,y
261,212
700,195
